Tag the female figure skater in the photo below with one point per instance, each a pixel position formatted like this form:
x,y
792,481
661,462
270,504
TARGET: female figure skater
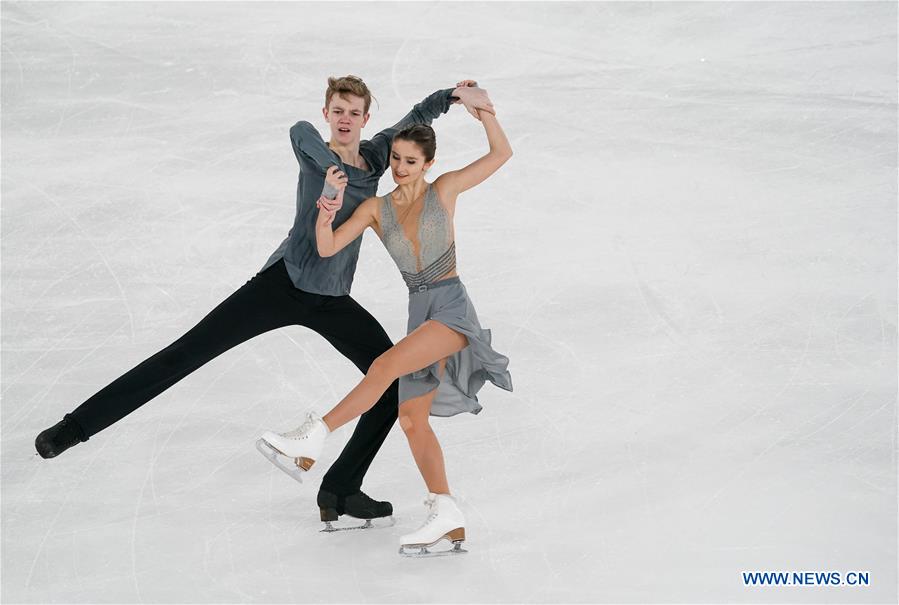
x,y
446,357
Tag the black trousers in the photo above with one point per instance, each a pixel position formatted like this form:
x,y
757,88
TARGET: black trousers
x,y
268,301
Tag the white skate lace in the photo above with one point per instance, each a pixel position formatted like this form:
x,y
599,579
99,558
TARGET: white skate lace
x,y
303,429
432,512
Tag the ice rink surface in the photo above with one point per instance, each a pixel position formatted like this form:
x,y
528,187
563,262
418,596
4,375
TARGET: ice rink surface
x,y
690,261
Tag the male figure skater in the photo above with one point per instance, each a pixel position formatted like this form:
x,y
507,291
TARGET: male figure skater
x,y
295,287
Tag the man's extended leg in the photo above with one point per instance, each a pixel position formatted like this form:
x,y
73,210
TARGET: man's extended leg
x,y
360,338
258,306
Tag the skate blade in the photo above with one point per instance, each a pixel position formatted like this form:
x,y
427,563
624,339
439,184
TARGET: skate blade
x,y
287,465
423,552
379,523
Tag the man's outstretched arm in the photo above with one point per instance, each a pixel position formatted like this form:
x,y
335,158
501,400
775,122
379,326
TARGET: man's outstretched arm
x,y
428,109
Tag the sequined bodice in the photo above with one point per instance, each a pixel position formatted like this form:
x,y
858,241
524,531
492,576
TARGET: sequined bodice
x,y
436,250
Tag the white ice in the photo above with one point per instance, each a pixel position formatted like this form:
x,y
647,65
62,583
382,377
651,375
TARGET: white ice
x,y
690,260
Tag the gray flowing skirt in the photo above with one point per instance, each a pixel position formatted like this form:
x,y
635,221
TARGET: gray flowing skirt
x,y
467,370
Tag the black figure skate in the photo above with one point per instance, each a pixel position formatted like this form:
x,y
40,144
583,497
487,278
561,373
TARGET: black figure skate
x,y
358,506
58,438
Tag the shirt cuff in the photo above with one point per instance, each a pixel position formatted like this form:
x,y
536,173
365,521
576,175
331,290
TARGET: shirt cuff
x,y
329,191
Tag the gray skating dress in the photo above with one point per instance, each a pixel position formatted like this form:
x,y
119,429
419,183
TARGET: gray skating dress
x,y
445,301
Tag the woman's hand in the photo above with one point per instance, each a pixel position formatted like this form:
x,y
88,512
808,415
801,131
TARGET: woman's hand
x,y
474,98
331,206
336,181
478,111
327,209
326,217
336,178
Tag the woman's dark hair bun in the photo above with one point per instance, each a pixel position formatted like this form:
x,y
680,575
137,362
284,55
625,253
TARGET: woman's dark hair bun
x,y
423,136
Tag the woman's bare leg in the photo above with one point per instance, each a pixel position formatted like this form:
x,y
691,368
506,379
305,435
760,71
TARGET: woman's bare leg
x,y
428,343
414,420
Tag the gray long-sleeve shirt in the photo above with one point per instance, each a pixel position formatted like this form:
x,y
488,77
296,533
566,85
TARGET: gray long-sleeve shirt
x,y
333,276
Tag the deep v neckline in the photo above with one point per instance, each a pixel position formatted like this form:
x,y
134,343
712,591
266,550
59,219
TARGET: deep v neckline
x,y
402,229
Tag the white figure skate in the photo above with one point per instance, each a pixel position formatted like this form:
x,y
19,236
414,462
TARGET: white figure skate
x,y
445,522
302,445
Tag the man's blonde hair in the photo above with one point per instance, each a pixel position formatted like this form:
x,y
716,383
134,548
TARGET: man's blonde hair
x,y
352,85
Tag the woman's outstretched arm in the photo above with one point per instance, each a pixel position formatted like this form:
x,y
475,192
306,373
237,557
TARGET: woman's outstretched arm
x,y
455,182
330,241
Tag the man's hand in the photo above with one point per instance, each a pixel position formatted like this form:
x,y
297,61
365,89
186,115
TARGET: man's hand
x,y
466,83
473,98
